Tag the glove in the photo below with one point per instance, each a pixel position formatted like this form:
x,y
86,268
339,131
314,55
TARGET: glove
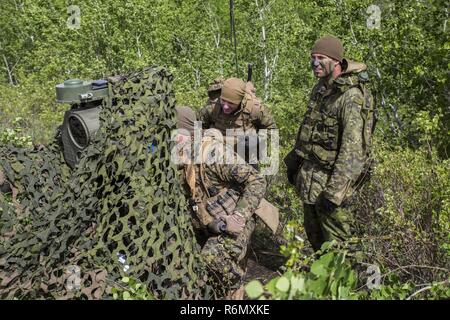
x,y
325,205
217,226
291,174
235,223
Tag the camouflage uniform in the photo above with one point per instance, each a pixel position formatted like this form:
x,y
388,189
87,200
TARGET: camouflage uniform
x,y
249,118
225,254
330,154
251,115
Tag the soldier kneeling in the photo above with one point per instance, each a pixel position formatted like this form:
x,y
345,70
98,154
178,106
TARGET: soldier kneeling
x,y
223,198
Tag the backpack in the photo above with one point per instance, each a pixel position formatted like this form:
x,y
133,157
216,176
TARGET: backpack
x,y
369,112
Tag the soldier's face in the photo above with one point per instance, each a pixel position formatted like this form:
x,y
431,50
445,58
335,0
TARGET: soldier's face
x,y
182,138
321,65
227,106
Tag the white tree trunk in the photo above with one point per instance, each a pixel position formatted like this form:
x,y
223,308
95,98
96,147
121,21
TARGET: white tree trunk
x,y
269,67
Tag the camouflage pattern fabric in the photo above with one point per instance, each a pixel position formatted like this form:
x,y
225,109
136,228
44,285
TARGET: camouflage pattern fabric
x,y
331,150
242,177
120,212
322,226
225,254
330,141
214,89
251,115
226,257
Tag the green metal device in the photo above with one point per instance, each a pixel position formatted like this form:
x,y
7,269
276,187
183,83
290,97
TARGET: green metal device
x,y
81,122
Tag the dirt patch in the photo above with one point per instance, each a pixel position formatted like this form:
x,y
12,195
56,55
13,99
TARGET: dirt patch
x,y
265,258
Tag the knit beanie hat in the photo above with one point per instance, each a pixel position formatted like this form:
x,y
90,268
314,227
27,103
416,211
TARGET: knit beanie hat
x,y
233,90
329,46
185,119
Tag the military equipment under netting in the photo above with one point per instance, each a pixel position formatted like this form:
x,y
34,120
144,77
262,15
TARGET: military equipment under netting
x,y
119,212
82,121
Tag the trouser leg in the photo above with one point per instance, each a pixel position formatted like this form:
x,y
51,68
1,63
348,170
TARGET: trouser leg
x,y
336,225
225,256
313,226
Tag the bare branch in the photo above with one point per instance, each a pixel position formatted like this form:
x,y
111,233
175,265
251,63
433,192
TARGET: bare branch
x,y
8,70
428,288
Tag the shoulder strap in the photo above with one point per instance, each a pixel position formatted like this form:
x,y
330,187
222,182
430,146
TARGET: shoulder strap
x,y
252,103
190,173
215,110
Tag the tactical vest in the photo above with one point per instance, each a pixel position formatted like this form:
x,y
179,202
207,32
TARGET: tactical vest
x,y
209,202
320,134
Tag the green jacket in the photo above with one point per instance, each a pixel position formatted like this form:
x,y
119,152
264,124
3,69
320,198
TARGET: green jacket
x,y
330,146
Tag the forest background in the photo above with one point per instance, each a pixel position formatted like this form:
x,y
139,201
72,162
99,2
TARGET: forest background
x,y
403,212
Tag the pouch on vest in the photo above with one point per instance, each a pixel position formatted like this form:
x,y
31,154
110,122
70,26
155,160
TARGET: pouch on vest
x,y
269,214
223,204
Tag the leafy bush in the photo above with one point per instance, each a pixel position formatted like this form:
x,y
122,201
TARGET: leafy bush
x,y
330,276
15,135
131,289
333,276
404,213
402,227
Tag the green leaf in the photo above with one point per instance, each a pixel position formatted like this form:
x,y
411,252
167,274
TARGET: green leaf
x,y
352,279
297,285
326,259
125,279
17,166
318,269
254,289
327,245
343,292
317,286
126,295
334,288
283,284
271,286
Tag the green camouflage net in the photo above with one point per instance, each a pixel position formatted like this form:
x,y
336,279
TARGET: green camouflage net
x,y
120,212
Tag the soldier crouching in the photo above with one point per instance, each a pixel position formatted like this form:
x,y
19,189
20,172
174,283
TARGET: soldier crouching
x,y
223,198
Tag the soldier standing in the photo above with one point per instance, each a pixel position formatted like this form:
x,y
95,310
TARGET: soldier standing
x,y
223,198
332,144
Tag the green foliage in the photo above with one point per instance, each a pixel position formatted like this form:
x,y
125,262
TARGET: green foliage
x,y
403,212
294,249
329,277
131,289
333,276
15,135
38,50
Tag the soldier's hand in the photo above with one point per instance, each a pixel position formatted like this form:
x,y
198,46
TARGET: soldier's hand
x,y
291,174
324,205
235,223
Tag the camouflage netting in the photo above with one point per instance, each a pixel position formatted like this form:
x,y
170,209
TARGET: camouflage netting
x,y
121,207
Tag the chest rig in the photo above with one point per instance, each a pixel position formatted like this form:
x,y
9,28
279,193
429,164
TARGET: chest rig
x,y
208,200
320,134
320,131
